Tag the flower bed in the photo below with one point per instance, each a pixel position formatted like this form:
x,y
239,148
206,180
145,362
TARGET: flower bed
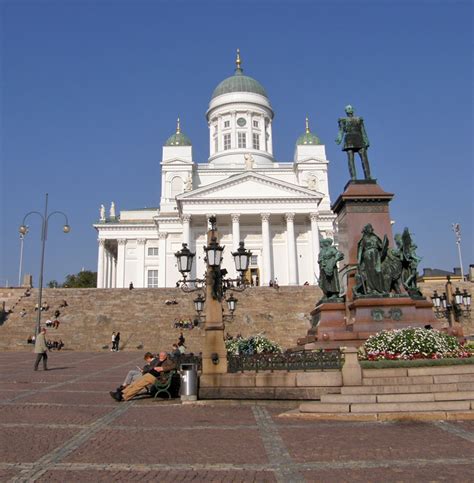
x,y
412,343
251,345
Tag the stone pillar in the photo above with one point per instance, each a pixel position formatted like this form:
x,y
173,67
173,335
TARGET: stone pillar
x,y
315,244
270,137
235,230
121,250
291,245
141,247
220,135
212,151
351,370
107,269
233,132
100,264
113,280
266,250
249,130
186,219
162,249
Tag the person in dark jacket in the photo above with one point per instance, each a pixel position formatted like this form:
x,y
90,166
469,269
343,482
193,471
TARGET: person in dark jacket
x,y
162,368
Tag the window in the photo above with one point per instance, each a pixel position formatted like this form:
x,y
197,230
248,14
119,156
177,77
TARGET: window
x,y
153,251
226,123
242,140
152,278
254,260
255,124
177,186
226,142
256,141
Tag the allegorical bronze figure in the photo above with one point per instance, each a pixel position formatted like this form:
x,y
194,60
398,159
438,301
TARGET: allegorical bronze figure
x,y
352,129
328,257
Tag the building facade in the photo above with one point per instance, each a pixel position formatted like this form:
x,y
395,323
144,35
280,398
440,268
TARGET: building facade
x,y
279,209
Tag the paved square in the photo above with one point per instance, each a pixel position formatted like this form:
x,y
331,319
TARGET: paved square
x,y
62,425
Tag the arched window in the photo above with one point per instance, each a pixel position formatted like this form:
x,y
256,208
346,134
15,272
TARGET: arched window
x,y
177,186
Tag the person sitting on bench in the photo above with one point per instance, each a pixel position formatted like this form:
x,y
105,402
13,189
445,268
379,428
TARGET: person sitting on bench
x,y
159,372
134,374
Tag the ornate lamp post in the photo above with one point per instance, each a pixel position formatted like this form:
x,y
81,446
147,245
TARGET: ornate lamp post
x,y
215,286
457,233
44,235
451,305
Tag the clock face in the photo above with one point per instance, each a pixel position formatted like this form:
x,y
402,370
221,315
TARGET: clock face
x,y
241,122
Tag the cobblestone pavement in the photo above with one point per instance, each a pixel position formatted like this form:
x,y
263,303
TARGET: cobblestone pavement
x,y
62,425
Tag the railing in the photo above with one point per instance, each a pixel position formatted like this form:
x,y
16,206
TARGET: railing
x,y
288,361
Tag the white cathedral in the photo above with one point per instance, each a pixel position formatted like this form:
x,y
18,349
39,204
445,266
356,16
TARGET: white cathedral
x,y
279,209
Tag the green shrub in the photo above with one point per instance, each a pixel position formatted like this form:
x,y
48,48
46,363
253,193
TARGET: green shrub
x,y
251,345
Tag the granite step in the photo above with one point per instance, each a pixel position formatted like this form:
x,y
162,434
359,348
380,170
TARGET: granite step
x,y
407,389
411,407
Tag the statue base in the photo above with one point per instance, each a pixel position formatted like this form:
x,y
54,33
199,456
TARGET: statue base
x,y
339,324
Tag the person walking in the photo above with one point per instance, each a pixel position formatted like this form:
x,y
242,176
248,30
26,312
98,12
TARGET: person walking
x,y
41,350
117,341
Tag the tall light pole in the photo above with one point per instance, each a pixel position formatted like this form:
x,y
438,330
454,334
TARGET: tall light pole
x,y
457,233
44,235
20,269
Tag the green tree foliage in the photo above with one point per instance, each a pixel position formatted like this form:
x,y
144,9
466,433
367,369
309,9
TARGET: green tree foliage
x,y
83,279
53,284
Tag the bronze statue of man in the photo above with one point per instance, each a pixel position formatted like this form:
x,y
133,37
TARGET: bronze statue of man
x,y
352,129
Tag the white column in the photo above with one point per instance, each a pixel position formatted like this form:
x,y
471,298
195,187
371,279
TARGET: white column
x,y
141,247
107,269
100,264
113,282
266,251
249,130
290,240
233,126
315,245
211,139
264,135
121,250
220,135
186,219
162,248
270,137
235,230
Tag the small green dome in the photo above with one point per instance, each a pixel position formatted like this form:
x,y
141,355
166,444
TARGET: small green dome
x,y
239,83
308,137
178,138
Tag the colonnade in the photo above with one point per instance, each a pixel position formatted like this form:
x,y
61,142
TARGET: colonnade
x,y
111,269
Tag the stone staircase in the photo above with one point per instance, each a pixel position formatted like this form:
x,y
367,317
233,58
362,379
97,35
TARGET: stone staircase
x,y
442,392
147,323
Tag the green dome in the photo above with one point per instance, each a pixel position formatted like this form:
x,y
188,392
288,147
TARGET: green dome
x,y
239,83
178,138
308,137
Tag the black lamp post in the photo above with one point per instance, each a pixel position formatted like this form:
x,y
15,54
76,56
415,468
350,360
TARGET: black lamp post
x,y
213,258
451,305
44,235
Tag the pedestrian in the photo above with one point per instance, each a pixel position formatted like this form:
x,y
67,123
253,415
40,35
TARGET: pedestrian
x,y
117,341
41,350
130,287
181,338
113,342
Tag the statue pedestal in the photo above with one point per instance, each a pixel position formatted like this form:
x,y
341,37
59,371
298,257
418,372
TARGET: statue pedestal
x,y
351,321
362,202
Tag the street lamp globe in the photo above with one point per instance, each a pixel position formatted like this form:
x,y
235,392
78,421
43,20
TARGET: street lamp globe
x,y
242,258
185,259
214,253
66,228
458,296
23,229
466,298
231,303
199,303
436,299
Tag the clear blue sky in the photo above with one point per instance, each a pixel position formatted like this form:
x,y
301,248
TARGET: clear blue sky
x,y
90,91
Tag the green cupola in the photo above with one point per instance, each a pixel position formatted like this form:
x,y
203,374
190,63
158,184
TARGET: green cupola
x,y
308,138
178,138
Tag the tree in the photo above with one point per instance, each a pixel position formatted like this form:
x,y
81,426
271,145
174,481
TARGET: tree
x,y
53,284
83,279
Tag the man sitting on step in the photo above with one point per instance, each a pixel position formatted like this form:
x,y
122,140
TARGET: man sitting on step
x,y
161,369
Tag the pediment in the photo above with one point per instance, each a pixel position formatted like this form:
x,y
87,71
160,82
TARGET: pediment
x,y
177,162
312,160
250,185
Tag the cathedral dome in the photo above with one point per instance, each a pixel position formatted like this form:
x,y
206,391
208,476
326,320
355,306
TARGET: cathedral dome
x,y
308,137
178,138
239,83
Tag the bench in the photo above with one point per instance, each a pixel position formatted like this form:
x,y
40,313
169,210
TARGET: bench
x,y
167,386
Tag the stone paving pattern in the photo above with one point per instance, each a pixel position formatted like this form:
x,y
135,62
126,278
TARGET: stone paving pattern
x,y
62,425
